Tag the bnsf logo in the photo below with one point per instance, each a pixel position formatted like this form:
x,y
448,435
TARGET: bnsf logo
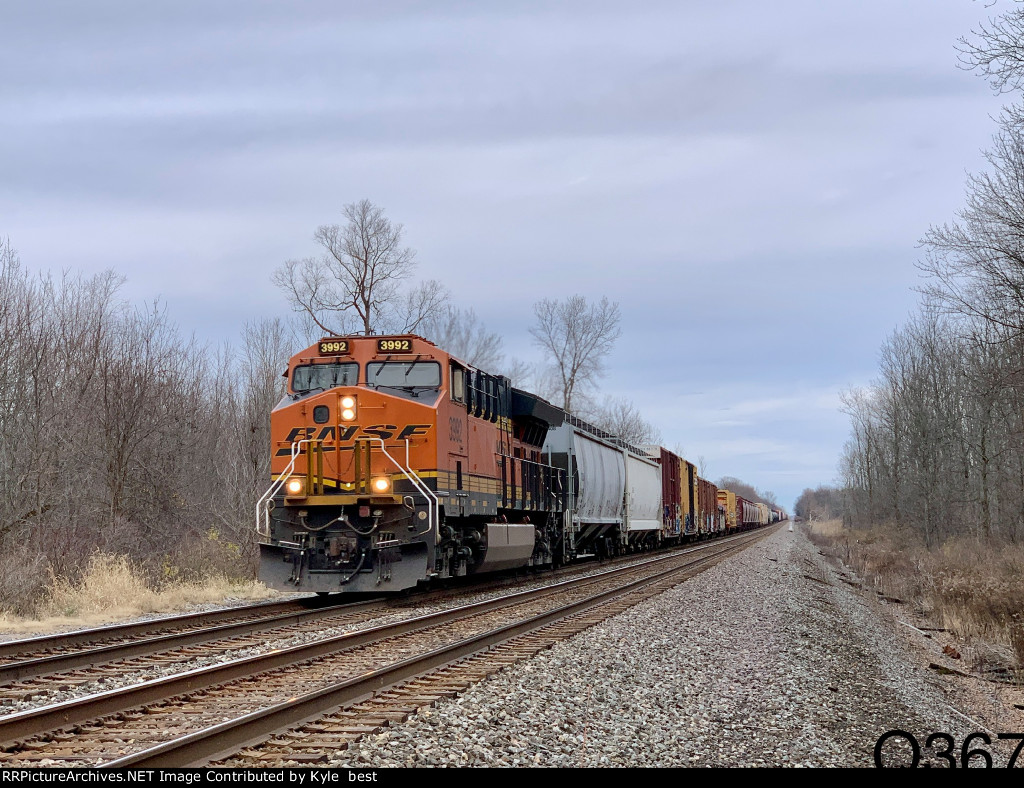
x,y
383,431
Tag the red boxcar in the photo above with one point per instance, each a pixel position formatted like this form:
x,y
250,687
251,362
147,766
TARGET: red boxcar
x,y
707,501
747,514
671,509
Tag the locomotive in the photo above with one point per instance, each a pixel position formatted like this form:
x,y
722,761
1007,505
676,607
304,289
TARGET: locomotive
x,y
395,463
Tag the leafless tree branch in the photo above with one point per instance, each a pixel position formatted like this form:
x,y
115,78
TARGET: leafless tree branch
x,y
577,338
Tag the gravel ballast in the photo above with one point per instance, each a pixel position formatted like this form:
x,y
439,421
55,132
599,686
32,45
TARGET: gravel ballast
x,y
128,675
765,659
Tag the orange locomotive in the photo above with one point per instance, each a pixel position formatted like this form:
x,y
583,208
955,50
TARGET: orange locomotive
x,y
395,463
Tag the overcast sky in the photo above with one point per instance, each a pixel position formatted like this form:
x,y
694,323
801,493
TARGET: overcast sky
x,y
748,180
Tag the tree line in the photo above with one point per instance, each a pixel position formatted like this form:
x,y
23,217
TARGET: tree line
x,y
937,440
119,434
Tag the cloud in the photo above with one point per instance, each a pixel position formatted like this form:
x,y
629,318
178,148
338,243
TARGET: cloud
x,y
748,180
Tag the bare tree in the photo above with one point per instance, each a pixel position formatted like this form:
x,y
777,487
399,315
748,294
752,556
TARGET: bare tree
x,y
768,497
621,417
461,333
248,384
823,503
997,51
741,488
977,262
357,278
543,379
300,330
412,312
936,442
519,372
577,337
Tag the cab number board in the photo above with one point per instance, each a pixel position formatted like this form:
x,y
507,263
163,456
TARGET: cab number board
x,y
394,346
333,347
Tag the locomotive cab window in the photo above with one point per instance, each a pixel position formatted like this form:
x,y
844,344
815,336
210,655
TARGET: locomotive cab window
x,y
458,389
313,377
412,379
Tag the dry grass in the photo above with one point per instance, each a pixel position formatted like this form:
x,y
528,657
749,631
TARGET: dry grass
x,y
113,588
827,529
969,587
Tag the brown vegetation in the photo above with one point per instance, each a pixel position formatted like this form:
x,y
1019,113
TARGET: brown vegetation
x,y
748,491
119,435
113,587
968,586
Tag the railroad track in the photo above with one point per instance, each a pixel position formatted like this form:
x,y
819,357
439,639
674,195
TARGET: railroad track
x,y
67,643
45,670
37,676
212,712
67,650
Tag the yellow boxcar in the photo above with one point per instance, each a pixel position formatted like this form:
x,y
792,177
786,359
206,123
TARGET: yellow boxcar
x,y
728,499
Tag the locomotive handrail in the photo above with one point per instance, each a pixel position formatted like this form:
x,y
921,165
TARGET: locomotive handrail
x,y
263,510
433,502
276,485
430,495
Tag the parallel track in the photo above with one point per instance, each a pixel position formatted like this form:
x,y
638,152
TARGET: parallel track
x,y
36,668
304,680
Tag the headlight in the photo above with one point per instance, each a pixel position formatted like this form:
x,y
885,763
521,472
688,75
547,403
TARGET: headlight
x,y
348,408
294,485
381,484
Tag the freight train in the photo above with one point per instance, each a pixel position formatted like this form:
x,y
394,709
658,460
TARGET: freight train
x,y
394,463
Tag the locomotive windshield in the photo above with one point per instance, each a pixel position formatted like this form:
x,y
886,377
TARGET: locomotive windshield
x,y
405,375
324,376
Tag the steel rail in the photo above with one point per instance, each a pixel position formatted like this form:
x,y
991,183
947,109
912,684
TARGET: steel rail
x,y
62,640
11,650
21,725
55,663
224,739
35,664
